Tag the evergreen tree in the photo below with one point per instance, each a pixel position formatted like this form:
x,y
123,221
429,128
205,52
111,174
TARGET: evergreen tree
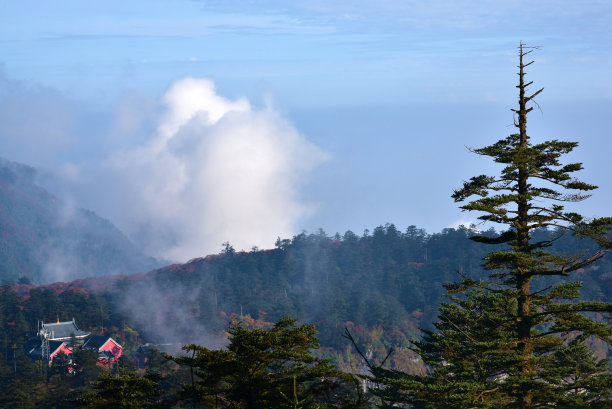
x,y
85,363
123,390
261,368
517,341
467,354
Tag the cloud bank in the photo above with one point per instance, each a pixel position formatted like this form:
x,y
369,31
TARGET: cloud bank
x,y
179,176
215,170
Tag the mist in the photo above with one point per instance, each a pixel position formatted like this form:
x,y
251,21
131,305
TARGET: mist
x,y
173,315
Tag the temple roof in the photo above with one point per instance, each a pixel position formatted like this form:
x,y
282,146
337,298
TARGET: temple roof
x,y
63,330
95,342
36,351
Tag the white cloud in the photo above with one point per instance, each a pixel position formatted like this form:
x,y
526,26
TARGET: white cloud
x,y
464,222
216,170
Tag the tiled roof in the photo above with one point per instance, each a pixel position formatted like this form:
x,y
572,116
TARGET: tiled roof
x,y
95,342
36,351
63,330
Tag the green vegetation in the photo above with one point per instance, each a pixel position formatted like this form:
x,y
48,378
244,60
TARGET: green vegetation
x,y
336,282
509,341
123,390
514,332
261,368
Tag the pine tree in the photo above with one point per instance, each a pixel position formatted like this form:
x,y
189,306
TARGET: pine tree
x,y
517,340
467,355
123,390
260,368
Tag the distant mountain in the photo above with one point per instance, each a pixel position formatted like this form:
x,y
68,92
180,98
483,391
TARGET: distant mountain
x,y
43,239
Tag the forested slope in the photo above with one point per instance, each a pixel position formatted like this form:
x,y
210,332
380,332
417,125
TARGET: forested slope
x,y
383,285
43,239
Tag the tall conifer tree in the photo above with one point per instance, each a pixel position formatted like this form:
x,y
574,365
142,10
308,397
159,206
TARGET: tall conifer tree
x,y
517,341
266,368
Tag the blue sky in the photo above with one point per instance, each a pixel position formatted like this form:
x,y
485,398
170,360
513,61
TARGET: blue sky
x,y
350,52
389,93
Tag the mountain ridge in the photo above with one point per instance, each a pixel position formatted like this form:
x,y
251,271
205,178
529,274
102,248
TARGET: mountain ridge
x,y
44,239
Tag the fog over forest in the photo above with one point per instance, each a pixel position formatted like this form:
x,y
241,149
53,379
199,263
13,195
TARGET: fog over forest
x,y
342,205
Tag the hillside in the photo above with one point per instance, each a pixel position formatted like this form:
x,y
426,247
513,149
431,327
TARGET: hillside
x,y
382,285
43,239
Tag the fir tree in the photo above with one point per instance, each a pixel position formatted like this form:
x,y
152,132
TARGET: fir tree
x,y
517,340
261,368
123,390
467,355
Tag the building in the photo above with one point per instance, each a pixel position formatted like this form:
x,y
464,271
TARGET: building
x,y
108,349
57,338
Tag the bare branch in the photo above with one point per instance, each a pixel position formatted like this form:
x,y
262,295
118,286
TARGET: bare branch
x,y
531,97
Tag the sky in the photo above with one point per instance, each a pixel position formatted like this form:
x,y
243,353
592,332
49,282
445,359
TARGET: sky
x,y
189,124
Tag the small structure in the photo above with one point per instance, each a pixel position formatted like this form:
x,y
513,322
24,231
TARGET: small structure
x,y
57,338
108,349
